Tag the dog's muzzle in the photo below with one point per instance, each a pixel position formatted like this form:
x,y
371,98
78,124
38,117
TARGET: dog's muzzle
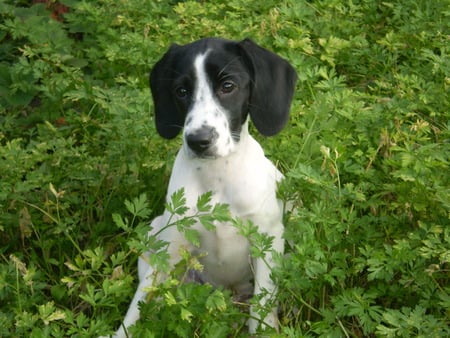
x,y
202,141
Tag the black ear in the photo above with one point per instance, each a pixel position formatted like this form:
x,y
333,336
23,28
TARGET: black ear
x,y
169,120
273,88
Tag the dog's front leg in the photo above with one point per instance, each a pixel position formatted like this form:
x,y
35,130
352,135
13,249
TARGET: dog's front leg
x,y
264,283
146,274
146,278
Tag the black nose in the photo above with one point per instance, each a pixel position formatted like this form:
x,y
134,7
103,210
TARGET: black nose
x,y
202,139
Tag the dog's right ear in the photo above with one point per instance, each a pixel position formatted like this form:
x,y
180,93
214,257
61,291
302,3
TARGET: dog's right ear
x,y
169,120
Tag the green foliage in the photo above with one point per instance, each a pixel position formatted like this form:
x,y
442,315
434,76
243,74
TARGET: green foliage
x,y
184,310
82,170
177,308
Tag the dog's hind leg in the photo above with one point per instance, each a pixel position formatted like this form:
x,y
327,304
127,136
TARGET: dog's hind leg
x,y
264,283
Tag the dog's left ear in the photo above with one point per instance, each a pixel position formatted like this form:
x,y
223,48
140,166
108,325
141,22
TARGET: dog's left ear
x,y
272,90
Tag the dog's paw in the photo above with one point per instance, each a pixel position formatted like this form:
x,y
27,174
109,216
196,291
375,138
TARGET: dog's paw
x,y
271,320
119,334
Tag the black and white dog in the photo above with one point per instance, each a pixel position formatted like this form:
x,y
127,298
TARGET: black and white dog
x,y
209,89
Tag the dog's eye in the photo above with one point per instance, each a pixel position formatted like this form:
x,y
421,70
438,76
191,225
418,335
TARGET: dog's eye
x,y
181,92
227,87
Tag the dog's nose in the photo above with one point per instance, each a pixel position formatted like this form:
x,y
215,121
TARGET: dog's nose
x,y
202,139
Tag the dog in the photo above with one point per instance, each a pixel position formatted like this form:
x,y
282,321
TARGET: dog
x,y
210,89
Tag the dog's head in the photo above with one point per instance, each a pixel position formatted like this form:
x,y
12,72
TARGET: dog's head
x,y
209,87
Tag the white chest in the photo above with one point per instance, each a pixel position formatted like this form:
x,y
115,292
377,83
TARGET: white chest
x,y
246,181
226,257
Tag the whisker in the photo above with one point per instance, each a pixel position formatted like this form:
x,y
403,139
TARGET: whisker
x,y
228,75
234,134
176,125
219,75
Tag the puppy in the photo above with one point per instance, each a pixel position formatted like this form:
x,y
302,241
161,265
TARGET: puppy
x,y
210,89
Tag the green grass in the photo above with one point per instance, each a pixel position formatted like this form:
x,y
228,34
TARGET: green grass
x,y
366,158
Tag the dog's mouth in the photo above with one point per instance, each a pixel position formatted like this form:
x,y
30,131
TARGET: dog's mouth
x,y
207,154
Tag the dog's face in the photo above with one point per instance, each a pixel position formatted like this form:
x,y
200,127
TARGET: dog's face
x,y
210,86
213,96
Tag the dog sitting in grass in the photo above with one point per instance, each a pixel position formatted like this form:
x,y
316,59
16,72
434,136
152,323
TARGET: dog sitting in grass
x,y
209,90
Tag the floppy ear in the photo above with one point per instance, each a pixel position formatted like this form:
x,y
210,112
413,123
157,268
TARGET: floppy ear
x,y
273,88
169,120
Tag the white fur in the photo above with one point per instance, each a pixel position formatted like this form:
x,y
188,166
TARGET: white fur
x,y
240,176
207,111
